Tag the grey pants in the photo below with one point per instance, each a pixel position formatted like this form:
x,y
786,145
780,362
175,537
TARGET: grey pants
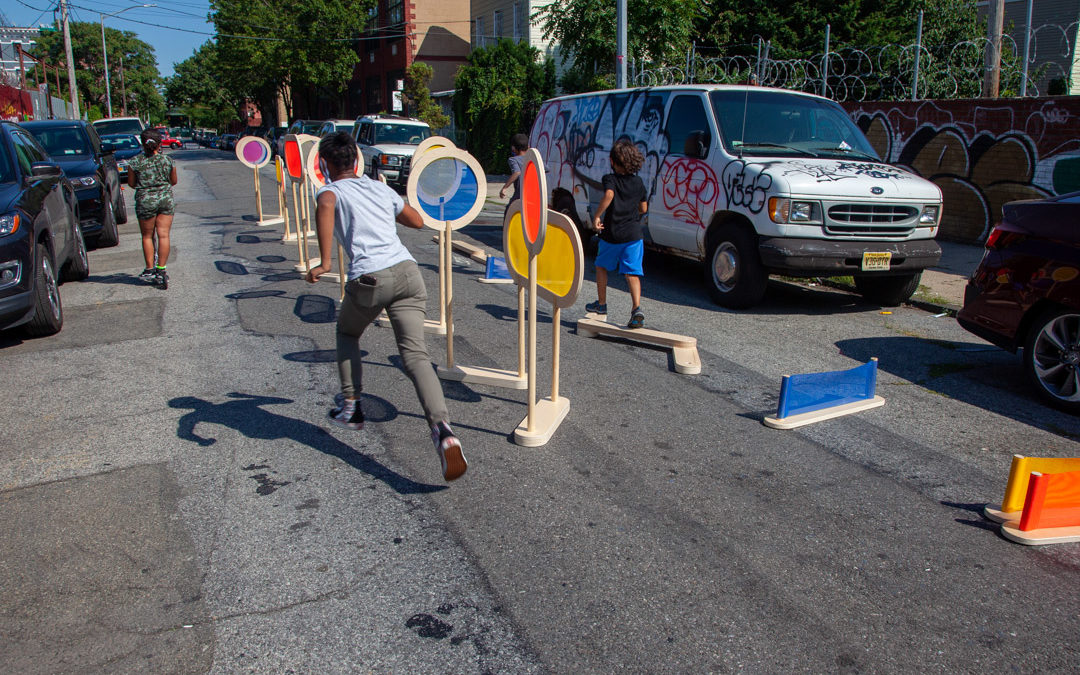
x,y
400,290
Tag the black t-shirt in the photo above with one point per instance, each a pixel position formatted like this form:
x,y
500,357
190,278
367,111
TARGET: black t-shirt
x,y
622,221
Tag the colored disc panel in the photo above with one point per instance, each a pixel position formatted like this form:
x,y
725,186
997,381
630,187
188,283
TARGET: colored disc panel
x,y
447,185
560,265
534,201
294,161
253,152
432,143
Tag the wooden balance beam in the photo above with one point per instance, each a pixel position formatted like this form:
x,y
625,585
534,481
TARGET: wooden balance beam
x,y
683,348
466,249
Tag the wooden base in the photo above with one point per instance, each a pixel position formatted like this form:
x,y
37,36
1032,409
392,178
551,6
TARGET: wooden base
x,y
494,377
684,349
547,416
792,421
312,262
495,281
270,221
995,514
330,276
1047,535
292,235
466,249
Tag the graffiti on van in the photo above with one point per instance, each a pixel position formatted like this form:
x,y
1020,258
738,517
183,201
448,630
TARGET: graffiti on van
x,y
829,172
576,135
746,185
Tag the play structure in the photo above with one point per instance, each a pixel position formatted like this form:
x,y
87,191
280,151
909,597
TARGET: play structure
x,y
543,252
254,152
316,180
1016,488
683,348
814,397
1042,501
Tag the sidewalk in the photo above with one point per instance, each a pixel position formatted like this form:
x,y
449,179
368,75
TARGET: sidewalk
x,y
941,288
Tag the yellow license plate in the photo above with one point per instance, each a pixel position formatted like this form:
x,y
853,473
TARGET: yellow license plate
x,y
876,262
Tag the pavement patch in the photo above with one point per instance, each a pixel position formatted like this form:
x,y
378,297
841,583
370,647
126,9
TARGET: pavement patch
x,y
99,575
99,324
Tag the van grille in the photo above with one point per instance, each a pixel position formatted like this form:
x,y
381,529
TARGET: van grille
x,y
871,220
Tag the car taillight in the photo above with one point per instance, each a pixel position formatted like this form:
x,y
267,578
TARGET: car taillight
x,y
1000,238
992,239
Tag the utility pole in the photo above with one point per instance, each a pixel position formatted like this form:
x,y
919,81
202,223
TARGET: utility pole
x,y
620,45
995,26
123,91
70,62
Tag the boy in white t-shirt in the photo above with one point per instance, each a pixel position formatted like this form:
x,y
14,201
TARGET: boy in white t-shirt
x,y
382,274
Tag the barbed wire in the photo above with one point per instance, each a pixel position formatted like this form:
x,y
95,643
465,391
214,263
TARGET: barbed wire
x,y
887,72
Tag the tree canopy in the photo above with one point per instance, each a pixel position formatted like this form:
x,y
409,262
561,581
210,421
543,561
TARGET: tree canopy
x,y
140,73
196,88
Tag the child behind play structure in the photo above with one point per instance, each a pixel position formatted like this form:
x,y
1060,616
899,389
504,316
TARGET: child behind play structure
x,y
618,219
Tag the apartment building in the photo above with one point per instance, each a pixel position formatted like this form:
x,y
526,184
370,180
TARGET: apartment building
x,y
399,33
496,19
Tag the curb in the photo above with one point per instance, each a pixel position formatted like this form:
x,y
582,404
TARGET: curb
x,y
949,310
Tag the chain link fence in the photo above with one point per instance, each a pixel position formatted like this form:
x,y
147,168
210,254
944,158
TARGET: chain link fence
x,y
1040,65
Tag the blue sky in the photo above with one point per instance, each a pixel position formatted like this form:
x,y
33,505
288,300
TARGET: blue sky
x,y
179,26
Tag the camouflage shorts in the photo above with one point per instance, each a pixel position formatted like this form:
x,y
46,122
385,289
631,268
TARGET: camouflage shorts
x,y
151,204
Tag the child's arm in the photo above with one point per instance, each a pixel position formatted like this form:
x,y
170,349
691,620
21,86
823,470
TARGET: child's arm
x,y
509,181
324,228
410,217
643,207
172,175
598,219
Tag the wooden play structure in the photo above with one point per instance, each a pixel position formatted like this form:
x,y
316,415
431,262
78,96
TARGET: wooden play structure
x,y
1051,513
683,348
815,397
254,152
1016,488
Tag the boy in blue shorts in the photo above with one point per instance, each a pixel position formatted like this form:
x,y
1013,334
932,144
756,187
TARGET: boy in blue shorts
x,y
618,219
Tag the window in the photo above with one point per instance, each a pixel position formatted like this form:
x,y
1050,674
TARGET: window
x,y
395,12
517,22
374,93
479,31
496,25
373,18
365,133
688,127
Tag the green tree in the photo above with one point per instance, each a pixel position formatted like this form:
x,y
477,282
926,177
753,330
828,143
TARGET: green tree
x,y
585,30
196,89
498,93
418,95
287,47
140,73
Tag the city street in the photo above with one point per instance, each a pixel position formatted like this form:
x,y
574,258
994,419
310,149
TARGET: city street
x,y
172,499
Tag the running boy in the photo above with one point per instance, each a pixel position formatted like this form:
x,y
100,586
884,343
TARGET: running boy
x,y
621,246
519,144
152,175
382,274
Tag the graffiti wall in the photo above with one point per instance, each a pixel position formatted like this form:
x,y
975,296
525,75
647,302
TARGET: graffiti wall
x,y
981,153
15,104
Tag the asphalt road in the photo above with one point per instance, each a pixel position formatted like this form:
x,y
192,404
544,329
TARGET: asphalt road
x,y
171,500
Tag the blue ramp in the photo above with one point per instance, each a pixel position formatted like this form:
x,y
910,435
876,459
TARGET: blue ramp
x,y
812,397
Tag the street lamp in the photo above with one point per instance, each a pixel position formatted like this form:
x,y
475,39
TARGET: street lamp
x,y
105,54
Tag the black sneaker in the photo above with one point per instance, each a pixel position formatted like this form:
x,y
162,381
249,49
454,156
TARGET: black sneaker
x,y
596,307
161,277
637,319
347,416
148,274
448,446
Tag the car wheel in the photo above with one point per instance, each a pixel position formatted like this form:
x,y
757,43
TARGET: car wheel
x,y
78,268
733,271
1052,358
888,291
109,236
48,313
121,209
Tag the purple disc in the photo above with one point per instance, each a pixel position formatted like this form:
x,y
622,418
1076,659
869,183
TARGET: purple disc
x,y
254,152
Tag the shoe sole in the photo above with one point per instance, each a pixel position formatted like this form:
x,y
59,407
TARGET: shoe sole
x,y
352,426
453,461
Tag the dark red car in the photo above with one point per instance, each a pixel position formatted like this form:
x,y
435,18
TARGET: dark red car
x,y
1025,294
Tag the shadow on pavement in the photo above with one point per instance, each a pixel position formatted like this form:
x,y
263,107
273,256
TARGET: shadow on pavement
x,y
245,414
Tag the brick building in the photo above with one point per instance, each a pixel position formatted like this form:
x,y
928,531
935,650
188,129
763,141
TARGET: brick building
x,y
401,32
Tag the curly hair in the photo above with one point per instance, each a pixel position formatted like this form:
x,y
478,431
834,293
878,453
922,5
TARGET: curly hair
x,y
626,155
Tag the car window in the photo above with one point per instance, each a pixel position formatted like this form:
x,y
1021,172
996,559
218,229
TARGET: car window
x,y
7,169
24,152
34,151
365,133
311,127
405,134
122,141
347,128
688,127
95,140
118,127
63,142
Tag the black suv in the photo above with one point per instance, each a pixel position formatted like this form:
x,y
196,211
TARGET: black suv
x,y
76,147
40,239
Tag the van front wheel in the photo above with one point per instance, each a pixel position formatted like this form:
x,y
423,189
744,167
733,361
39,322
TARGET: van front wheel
x,y
733,270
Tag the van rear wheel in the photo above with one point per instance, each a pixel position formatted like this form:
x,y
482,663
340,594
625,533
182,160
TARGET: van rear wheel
x,y
733,270
888,291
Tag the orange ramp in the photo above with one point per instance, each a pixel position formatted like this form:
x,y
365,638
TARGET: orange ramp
x,y
1051,513
1017,488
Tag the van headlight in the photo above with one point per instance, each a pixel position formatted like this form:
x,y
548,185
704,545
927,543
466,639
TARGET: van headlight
x,y
929,215
783,210
391,160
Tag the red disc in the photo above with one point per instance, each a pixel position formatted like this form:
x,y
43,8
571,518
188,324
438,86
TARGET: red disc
x,y
531,201
293,162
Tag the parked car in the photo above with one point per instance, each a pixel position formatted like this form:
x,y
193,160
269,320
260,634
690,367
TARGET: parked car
x,y
387,143
227,142
40,239
119,125
274,137
1025,294
76,147
330,126
751,181
124,147
168,141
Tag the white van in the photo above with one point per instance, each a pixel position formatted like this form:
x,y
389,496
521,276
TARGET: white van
x,y
751,181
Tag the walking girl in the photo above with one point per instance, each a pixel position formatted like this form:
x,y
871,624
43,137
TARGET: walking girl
x,y
152,175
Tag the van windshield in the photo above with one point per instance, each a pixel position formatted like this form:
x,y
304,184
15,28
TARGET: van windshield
x,y
783,124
